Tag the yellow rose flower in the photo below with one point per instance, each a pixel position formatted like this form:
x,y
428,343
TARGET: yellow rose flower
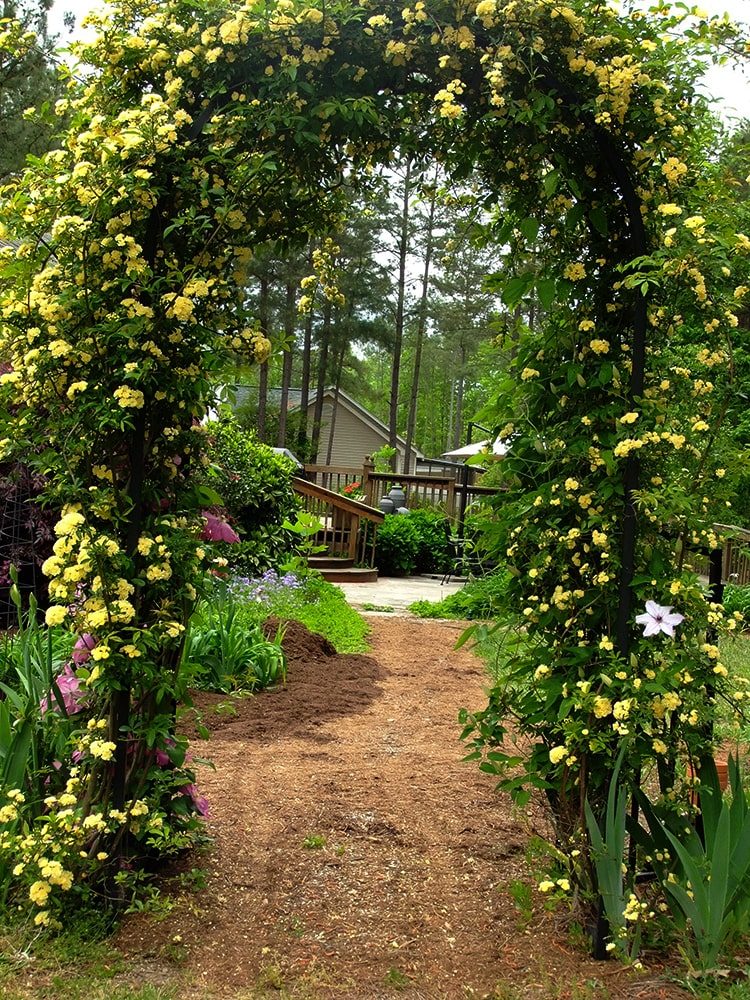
x,y
55,615
557,753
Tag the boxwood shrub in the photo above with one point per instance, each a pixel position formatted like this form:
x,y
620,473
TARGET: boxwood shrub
x,y
255,487
417,542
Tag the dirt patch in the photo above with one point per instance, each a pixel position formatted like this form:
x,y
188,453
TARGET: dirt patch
x,y
354,854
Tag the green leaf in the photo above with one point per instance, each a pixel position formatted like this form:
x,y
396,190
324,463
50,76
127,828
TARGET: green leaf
x,y
17,756
574,185
13,697
529,228
488,767
516,288
711,801
6,731
551,180
599,221
574,215
717,887
208,496
547,291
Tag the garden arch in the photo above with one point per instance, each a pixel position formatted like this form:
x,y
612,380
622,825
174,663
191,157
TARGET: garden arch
x,y
207,129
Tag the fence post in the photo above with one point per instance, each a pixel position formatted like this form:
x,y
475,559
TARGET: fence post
x,y
463,501
450,503
367,484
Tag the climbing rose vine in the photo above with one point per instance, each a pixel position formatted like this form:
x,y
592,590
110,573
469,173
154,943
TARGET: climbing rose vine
x,y
203,132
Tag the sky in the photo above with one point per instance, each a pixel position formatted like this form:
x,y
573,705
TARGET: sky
x,y
731,86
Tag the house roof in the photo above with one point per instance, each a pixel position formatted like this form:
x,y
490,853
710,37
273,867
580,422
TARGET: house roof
x,y
498,448
240,392
6,244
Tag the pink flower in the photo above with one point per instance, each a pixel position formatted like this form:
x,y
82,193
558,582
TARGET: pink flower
x,y
216,530
200,802
68,690
658,619
162,756
82,649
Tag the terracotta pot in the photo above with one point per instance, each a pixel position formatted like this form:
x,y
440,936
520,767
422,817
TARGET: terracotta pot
x,y
722,773
722,770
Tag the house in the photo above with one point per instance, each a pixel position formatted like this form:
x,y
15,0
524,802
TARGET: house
x,y
352,432
356,432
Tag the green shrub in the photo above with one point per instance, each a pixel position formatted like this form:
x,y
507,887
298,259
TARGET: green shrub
x,y
259,550
397,545
254,483
433,545
737,598
479,599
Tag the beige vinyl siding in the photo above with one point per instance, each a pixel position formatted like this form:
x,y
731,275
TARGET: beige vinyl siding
x,y
353,440
356,435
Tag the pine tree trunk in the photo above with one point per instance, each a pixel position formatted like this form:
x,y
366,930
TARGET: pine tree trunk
x,y
325,342
304,399
403,243
286,369
421,327
263,374
339,367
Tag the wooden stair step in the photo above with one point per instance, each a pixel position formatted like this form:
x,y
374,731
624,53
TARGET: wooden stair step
x,y
355,574
342,570
330,562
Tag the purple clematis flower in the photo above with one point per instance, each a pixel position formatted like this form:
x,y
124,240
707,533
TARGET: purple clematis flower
x,y
68,691
82,649
217,530
658,619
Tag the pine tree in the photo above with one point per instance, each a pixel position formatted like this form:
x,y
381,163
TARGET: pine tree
x,y
28,79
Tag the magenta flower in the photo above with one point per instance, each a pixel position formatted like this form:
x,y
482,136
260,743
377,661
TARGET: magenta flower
x,y
161,756
217,530
68,689
200,802
658,619
82,649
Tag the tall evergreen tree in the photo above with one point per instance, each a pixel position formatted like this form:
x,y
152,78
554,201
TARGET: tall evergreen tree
x,y
428,246
463,316
28,79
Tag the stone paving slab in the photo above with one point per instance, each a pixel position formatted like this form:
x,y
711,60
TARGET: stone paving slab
x,y
399,592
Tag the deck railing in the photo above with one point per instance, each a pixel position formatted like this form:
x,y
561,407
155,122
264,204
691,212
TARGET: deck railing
x,y
452,496
735,556
348,528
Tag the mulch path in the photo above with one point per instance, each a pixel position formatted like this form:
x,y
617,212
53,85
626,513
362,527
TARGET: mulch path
x,y
355,855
